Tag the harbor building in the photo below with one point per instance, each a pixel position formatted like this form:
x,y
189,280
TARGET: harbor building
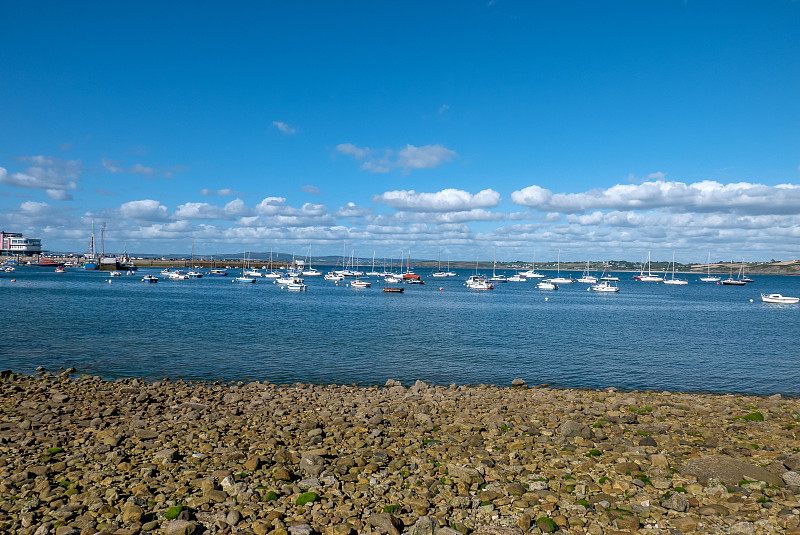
x,y
14,243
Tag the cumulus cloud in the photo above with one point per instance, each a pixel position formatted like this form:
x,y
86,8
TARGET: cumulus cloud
x,y
144,210
283,127
406,159
447,200
351,209
704,196
47,173
136,169
34,209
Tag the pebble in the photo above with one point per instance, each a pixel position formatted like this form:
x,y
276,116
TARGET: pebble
x,y
82,455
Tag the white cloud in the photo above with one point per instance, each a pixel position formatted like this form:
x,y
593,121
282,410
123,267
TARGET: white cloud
x,y
48,173
352,210
198,210
58,195
237,208
144,210
704,196
35,209
352,150
283,127
406,159
447,200
425,157
313,190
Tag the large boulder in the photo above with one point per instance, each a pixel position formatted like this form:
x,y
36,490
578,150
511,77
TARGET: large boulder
x,y
728,470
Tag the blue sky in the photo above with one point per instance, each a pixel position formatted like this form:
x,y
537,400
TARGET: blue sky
x,y
601,129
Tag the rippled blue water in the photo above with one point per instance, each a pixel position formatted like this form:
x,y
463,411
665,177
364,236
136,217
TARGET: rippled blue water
x,y
700,337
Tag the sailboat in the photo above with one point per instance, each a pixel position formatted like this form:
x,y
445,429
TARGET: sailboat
x,y
742,276
649,277
439,273
271,273
531,273
738,281
194,274
606,276
358,283
478,282
409,276
558,279
244,278
709,277
587,276
495,277
373,273
450,273
309,271
673,281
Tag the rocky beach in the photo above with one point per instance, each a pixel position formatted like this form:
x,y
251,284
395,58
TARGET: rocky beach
x,y
82,455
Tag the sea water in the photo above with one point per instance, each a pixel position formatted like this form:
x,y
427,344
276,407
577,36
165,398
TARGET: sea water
x,y
702,337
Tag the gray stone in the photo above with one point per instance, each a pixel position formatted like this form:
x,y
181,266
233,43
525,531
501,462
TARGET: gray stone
x,y
742,528
179,527
312,464
572,429
464,473
385,523
728,470
301,529
309,483
518,383
675,501
425,525
792,462
792,478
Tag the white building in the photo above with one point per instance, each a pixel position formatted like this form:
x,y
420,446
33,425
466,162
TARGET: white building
x,y
13,243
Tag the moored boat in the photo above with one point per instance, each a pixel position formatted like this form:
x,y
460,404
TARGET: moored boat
x,y
605,287
547,285
779,299
149,278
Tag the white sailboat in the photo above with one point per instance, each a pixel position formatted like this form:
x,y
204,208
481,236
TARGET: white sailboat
x,y
587,276
478,282
558,279
673,281
709,277
194,274
373,273
606,276
649,277
531,273
439,273
309,271
495,277
244,277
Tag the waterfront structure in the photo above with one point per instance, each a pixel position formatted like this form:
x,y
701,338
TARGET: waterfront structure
x,y
14,243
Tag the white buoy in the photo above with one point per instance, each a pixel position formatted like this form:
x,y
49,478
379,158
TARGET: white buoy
x,y
751,300
546,298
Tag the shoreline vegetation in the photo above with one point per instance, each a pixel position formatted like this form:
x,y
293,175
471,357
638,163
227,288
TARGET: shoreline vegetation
x,y
774,267
82,455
